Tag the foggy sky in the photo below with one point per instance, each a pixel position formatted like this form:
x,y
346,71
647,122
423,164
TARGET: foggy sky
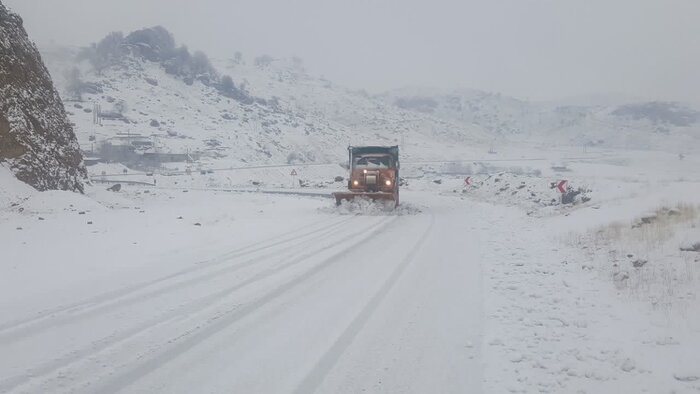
x,y
532,49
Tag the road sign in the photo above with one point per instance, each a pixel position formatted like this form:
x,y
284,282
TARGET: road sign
x,y
294,172
468,180
561,185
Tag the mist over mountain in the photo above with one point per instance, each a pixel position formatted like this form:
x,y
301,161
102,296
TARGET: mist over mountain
x,y
234,110
642,125
265,109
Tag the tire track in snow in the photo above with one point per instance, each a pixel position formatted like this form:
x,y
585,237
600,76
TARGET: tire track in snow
x,y
198,305
325,364
75,315
187,310
174,347
47,319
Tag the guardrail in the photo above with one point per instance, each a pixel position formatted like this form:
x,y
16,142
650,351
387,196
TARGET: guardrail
x,y
403,162
112,181
230,190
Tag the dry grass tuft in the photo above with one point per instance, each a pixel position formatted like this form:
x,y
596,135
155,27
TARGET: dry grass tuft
x,y
645,259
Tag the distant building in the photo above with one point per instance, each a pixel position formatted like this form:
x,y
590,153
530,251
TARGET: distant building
x,y
137,149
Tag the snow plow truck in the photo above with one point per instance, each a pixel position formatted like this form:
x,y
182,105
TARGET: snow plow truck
x,y
374,174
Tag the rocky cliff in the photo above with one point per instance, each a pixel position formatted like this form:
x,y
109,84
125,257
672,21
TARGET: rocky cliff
x,y
36,139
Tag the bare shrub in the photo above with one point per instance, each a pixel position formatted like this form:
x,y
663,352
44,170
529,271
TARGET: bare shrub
x,y
643,258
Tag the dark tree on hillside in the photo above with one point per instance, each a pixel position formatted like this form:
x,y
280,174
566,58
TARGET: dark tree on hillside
x,y
227,84
155,43
179,63
106,52
74,84
112,45
263,61
229,89
201,64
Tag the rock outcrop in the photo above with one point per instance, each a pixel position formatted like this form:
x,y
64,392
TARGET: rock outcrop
x,y
36,138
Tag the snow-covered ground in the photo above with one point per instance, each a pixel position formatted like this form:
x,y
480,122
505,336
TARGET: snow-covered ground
x,y
216,282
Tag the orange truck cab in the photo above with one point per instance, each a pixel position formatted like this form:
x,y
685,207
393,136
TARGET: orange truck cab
x,y
374,174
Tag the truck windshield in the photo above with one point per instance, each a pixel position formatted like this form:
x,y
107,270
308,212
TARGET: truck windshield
x,y
372,162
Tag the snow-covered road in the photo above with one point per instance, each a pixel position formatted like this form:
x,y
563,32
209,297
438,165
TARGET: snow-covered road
x,y
181,291
343,303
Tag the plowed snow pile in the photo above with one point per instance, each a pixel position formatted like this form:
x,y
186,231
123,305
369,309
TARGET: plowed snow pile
x,y
366,207
522,190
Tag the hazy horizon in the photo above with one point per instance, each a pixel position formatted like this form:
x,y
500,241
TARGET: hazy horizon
x,y
543,50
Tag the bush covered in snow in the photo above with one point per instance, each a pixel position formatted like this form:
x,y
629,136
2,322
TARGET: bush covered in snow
x,y
263,61
156,44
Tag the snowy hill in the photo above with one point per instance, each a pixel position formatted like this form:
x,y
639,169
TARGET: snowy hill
x,y
363,117
638,125
141,99
279,113
239,111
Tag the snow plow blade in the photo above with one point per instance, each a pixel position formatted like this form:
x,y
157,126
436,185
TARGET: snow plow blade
x,y
349,196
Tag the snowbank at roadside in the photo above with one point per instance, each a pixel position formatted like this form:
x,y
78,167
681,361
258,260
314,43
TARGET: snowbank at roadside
x,y
12,190
56,200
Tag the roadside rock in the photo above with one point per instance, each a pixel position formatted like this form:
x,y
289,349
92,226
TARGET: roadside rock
x,y
691,248
36,138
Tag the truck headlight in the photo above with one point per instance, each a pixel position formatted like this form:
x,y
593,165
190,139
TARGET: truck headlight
x,y
388,182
